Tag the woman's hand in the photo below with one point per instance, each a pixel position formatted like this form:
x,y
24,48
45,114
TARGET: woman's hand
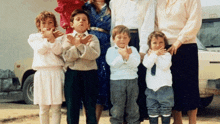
x,y
174,47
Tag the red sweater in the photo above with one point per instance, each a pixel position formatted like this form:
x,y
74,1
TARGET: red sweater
x,y
65,8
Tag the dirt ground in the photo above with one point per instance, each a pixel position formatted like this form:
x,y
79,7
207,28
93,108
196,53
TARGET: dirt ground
x,y
19,113
30,116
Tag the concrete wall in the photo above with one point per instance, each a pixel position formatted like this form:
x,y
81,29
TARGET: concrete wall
x,y
16,24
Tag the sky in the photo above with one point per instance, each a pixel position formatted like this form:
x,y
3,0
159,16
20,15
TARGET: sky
x,y
210,2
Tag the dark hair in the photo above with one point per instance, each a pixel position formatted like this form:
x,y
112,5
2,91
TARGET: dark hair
x,y
157,34
79,11
120,29
98,10
43,16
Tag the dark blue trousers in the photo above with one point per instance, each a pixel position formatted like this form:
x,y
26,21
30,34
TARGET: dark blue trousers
x,y
81,85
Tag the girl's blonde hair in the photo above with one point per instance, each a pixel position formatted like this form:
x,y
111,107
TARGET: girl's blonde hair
x,y
43,16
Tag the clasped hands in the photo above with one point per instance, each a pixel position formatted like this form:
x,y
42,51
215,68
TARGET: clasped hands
x,y
125,52
79,39
158,52
51,35
172,50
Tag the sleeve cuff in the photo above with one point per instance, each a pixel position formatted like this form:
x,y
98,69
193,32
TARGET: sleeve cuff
x,y
80,47
73,48
182,39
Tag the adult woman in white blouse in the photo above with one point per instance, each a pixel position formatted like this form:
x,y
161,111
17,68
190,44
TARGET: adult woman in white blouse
x,y
180,21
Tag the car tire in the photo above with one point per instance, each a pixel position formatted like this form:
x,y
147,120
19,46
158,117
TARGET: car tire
x,y
204,102
28,89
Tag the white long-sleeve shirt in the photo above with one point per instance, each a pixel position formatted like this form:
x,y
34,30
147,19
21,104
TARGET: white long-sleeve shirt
x,y
121,69
163,76
46,54
134,14
179,19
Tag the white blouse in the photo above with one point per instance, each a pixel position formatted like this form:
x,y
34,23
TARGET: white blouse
x,y
163,76
46,54
179,19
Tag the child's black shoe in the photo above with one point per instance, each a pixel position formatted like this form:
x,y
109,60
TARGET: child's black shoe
x,y
166,120
153,120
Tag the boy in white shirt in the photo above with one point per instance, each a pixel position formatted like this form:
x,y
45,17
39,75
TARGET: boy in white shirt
x,y
139,17
159,91
123,61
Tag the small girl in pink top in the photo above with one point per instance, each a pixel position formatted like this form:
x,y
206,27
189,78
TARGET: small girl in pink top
x,y
49,77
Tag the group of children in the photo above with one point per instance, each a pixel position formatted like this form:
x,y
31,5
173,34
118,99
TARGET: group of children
x,y
77,53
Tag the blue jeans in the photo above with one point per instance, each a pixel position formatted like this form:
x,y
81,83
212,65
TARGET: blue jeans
x,y
161,101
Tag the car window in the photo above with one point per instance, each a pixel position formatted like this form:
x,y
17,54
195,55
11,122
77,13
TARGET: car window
x,y
200,45
209,34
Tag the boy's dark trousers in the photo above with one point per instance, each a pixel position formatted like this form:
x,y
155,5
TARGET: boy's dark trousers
x,y
81,85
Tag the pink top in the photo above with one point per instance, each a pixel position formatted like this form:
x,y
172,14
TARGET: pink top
x,y
179,19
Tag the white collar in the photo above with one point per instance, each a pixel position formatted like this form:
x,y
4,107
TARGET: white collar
x,y
75,32
104,6
116,47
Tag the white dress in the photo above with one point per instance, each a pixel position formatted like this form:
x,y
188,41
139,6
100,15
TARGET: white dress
x,y
49,77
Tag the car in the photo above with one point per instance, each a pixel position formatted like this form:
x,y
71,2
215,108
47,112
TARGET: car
x,y
25,74
209,75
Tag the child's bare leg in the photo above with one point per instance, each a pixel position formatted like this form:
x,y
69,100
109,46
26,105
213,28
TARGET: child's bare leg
x,y
192,116
99,109
177,116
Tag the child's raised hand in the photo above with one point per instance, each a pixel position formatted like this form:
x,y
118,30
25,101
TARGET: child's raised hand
x,y
78,39
129,50
71,39
58,33
86,39
48,34
160,51
124,53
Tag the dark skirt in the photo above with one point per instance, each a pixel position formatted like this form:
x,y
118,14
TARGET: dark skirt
x,y
185,78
